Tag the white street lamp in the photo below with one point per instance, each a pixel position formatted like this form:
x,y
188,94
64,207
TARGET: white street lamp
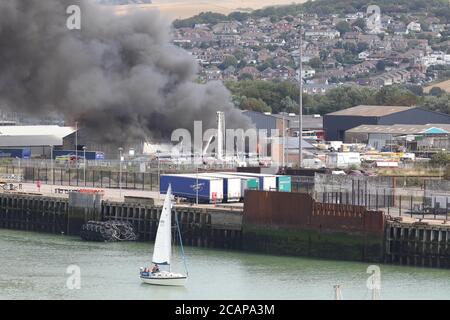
x,y
84,165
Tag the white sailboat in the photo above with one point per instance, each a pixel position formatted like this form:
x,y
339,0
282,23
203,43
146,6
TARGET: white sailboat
x,y
162,252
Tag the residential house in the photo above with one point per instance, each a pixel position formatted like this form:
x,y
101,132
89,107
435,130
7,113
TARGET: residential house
x,y
307,72
268,74
317,88
322,34
226,27
251,71
413,27
286,73
212,73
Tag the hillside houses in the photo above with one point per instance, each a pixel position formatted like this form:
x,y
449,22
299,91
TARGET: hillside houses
x,y
267,49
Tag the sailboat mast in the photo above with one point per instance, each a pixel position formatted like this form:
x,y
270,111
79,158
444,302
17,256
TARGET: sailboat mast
x,y
181,243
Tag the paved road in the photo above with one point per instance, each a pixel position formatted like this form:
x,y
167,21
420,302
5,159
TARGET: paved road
x,y
109,194
117,195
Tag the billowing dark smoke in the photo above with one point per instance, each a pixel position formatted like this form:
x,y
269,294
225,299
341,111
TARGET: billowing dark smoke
x,y
118,76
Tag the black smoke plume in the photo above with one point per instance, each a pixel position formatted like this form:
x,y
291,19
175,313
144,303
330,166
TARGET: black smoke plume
x,y
119,76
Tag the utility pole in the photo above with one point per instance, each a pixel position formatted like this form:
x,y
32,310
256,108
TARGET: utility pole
x,y
196,179
84,169
51,164
76,145
284,143
300,113
120,172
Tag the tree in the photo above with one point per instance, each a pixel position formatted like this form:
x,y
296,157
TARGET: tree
x,y
323,54
436,92
441,159
242,64
255,105
315,63
343,27
350,47
362,46
289,105
239,54
228,61
417,90
245,76
381,65
360,23
396,96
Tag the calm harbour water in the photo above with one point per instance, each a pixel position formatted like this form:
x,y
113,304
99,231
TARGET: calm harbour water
x,y
33,266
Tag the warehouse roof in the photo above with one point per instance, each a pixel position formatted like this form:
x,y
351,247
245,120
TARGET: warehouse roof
x,y
293,142
370,111
310,121
18,136
402,129
35,130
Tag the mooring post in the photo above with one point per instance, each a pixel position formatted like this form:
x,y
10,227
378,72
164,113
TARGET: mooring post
x,y
411,206
446,208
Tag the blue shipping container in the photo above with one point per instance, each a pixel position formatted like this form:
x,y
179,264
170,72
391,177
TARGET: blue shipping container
x,y
184,186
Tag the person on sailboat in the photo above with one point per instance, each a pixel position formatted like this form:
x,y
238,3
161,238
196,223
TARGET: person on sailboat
x,y
155,268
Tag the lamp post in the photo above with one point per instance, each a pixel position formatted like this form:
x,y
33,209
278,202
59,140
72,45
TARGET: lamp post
x,y
51,164
76,145
120,171
196,180
159,172
284,144
20,173
300,113
84,165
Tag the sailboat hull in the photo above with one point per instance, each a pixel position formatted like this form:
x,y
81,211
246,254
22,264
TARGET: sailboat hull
x,y
165,280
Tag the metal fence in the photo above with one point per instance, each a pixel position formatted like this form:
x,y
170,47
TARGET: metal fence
x,y
396,202
86,178
302,184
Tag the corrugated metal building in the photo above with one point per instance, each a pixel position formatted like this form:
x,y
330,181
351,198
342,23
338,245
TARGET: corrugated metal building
x,y
40,139
414,137
110,150
270,122
337,123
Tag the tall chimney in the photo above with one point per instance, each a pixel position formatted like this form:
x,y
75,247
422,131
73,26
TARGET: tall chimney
x,y
220,135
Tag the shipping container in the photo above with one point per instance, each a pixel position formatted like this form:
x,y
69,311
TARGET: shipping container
x,y
232,185
267,182
90,155
252,184
247,182
187,186
284,183
24,153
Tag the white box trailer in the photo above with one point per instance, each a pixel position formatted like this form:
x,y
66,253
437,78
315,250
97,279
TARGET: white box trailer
x,y
245,181
267,182
232,185
191,186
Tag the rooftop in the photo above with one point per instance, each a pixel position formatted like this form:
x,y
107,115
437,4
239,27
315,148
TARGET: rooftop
x,y
402,129
370,111
16,136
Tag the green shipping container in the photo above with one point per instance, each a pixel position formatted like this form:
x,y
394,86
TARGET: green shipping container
x,y
284,183
253,184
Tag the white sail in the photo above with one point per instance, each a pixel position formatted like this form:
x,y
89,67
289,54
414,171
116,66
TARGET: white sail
x,y
163,243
